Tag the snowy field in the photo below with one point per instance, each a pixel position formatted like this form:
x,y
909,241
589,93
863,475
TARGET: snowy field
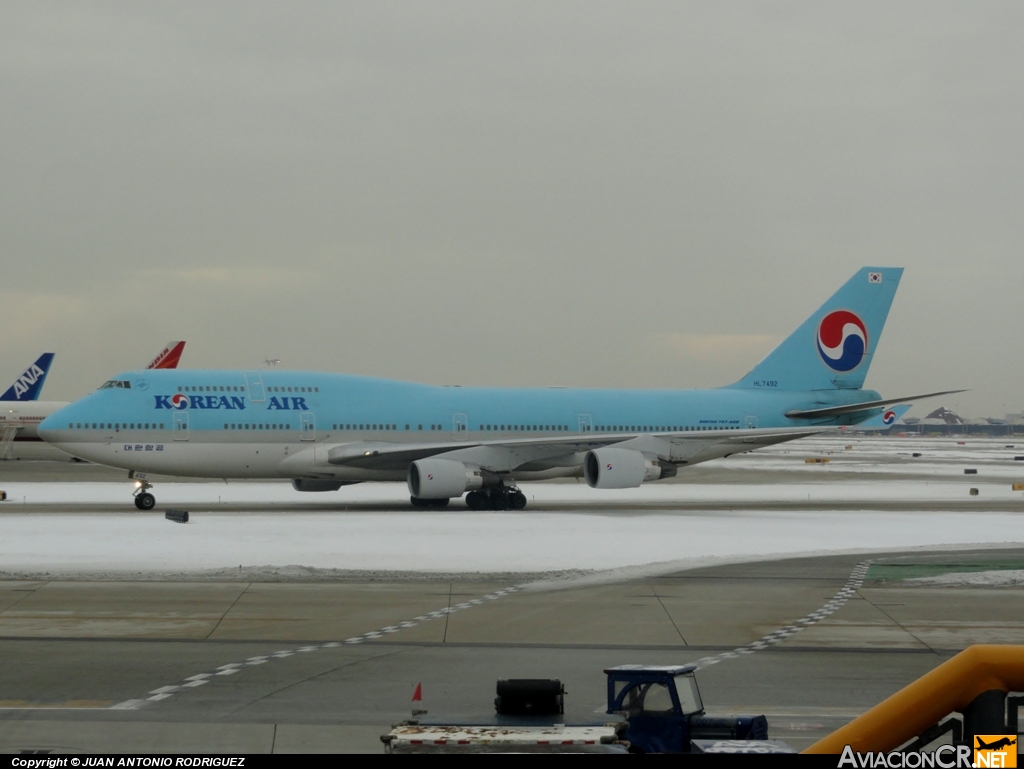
x,y
937,457
633,531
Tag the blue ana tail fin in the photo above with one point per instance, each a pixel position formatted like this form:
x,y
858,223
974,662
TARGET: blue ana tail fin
x,y
833,348
28,386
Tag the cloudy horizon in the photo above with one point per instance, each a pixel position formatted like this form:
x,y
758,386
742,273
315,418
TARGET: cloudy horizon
x,y
513,194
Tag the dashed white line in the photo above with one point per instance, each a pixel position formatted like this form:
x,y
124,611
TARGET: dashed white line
x,y
234,667
849,590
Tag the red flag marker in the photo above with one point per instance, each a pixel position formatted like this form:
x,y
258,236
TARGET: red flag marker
x,y
417,696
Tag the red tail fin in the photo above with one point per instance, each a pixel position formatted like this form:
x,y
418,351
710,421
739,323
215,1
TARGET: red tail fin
x,y
169,356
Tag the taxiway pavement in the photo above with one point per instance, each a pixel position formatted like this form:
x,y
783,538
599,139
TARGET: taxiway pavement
x,y
229,663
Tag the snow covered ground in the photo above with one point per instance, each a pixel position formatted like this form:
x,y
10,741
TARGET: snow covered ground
x,y
456,542
1002,578
635,530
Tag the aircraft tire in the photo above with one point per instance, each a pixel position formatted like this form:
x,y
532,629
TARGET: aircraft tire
x,y
145,501
473,501
517,500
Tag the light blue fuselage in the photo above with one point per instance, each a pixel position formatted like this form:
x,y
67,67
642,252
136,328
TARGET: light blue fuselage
x,y
257,423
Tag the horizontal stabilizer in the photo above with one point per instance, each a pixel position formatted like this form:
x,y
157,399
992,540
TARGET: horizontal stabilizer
x,y
853,408
886,419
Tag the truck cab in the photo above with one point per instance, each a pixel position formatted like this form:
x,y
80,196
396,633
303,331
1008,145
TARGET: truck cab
x,y
664,712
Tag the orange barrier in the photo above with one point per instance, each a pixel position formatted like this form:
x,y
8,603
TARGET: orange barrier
x,y
951,687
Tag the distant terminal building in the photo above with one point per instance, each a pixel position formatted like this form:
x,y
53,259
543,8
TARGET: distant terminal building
x,y
942,421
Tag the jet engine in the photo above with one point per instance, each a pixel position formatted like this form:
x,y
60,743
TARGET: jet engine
x,y
614,468
443,478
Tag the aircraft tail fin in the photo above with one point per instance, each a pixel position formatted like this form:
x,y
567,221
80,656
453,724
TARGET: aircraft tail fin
x,y
169,356
28,386
833,348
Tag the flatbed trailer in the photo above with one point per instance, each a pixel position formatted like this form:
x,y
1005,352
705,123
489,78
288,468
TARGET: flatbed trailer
x,y
553,738
651,709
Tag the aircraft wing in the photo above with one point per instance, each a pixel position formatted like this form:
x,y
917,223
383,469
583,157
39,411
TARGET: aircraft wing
x,y
504,456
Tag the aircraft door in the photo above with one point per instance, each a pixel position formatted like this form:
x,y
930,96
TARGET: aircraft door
x,y
586,424
181,426
255,385
751,423
307,426
460,426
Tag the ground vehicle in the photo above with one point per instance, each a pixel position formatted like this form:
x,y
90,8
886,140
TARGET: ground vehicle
x,y
651,709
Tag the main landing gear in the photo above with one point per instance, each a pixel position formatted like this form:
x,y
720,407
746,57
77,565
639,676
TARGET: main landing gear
x,y
418,502
496,498
143,499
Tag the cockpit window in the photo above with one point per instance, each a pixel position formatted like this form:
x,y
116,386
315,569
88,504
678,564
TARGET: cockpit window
x,y
122,383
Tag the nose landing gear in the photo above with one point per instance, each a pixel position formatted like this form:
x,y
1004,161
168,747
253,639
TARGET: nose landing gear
x,y
143,499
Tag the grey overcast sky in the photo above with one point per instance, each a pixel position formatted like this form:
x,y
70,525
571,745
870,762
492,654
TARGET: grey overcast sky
x,y
630,194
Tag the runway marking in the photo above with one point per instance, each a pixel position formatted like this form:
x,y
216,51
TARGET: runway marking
x,y
848,591
191,682
67,705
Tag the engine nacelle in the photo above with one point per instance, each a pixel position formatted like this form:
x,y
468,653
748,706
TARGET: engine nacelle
x,y
443,478
612,468
307,484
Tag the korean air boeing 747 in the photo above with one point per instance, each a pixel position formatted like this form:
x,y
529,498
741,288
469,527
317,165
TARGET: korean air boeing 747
x,y
324,431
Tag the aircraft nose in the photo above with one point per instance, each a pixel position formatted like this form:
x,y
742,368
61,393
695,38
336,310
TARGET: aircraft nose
x,y
50,428
47,427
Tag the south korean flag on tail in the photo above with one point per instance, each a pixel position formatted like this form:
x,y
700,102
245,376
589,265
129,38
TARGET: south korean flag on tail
x,y
874,277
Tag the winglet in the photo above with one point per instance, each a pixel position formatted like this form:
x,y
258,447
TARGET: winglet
x,y
169,356
28,386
